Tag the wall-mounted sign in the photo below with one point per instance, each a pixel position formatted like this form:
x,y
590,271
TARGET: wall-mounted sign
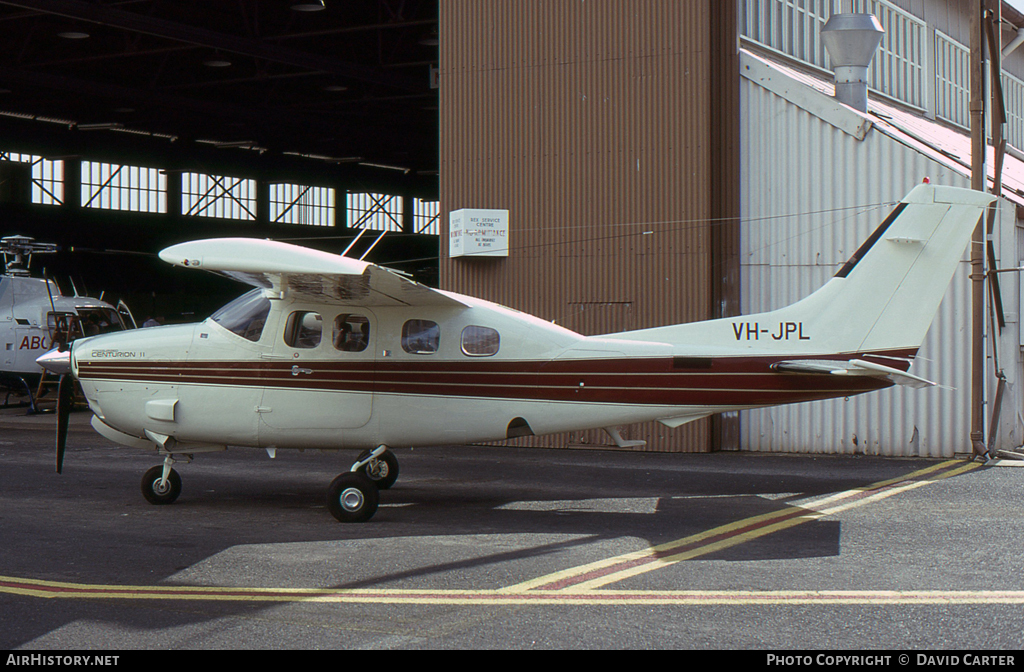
x,y
478,233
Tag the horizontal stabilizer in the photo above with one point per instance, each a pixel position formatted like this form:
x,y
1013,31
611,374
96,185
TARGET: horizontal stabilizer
x,y
852,367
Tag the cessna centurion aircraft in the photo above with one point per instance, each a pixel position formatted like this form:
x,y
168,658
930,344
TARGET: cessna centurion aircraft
x,y
331,352
32,309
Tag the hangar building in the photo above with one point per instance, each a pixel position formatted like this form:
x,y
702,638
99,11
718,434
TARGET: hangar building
x,y
660,162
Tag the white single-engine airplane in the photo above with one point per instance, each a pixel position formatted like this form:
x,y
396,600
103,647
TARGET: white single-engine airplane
x,y
330,352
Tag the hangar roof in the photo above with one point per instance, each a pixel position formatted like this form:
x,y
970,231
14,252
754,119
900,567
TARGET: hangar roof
x,y
944,143
317,83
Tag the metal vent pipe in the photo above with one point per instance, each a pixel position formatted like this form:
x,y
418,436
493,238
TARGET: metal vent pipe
x,y
851,41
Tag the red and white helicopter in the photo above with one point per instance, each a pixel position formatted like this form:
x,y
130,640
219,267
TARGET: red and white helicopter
x,y
33,311
330,352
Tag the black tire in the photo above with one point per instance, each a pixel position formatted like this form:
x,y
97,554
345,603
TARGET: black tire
x,y
352,498
152,491
386,472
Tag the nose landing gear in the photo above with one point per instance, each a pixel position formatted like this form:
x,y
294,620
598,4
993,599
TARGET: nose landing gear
x,y
161,485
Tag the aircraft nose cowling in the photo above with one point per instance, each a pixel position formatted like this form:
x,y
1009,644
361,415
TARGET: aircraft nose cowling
x,y
56,361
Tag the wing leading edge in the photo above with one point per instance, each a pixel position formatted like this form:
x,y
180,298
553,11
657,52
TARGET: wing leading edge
x,y
302,273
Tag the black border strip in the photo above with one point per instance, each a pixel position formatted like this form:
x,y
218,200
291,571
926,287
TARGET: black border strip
x,y
869,243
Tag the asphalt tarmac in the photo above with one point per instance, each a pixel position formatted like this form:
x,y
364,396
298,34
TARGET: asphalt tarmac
x,y
485,547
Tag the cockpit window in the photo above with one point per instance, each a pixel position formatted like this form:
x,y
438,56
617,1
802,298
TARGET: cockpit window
x,y
63,327
95,321
245,316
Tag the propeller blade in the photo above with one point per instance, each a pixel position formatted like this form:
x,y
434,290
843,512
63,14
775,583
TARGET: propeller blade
x,y
65,400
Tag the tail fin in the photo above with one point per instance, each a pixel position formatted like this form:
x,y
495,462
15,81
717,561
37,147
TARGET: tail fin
x,y
887,294
883,298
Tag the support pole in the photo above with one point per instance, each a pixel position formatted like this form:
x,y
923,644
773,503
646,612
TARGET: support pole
x,y
978,183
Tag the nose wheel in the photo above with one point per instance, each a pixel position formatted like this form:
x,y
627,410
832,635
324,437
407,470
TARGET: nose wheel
x,y
161,485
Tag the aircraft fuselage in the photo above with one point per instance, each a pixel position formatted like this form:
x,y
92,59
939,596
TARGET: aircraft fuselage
x,y
421,377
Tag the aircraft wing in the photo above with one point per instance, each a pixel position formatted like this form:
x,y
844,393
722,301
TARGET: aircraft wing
x,y
308,274
852,367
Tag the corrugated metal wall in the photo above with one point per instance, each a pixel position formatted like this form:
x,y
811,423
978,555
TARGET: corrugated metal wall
x,y
592,123
793,162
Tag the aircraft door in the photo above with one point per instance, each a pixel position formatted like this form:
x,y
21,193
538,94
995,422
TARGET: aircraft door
x,y
324,371
219,400
126,315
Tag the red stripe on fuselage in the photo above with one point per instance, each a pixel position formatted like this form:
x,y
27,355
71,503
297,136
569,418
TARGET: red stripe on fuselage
x,y
729,381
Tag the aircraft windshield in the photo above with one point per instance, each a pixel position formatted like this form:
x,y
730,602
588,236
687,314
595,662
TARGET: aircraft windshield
x,y
245,316
93,321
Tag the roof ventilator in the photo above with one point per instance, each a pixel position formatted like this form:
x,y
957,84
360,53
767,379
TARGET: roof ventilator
x,y
851,41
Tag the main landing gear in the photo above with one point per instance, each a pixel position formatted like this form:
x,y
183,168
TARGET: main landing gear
x,y
353,497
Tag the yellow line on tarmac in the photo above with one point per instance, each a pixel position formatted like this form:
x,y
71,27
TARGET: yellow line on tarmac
x,y
595,575
60,590
579,585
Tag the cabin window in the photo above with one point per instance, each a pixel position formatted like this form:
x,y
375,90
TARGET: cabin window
x,y
303,329
421,337
480,341
351,332
245,316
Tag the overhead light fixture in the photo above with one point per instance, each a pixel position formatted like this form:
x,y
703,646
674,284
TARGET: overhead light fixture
x,y
385,166
233,144
309,6
329,159
216,63
244,144
335,87
99,127
73,35
430,39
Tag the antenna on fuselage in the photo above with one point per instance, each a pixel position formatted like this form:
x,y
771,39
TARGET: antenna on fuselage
x,y
382,233
361,232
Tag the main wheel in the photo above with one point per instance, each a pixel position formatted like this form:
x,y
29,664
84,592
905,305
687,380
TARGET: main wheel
x,y
157,493
352,498
384,473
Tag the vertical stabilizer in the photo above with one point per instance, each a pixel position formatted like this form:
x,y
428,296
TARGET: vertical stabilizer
x,y
883,298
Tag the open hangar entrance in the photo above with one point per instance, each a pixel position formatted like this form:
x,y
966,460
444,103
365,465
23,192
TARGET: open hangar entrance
x,y
126,127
